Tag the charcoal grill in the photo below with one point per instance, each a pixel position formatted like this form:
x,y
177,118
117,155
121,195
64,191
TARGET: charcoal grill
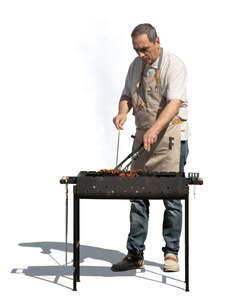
x,y
105,185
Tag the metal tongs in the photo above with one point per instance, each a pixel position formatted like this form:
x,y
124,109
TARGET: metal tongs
x,y
133,156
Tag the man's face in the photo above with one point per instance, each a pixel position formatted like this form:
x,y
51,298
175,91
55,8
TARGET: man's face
x,y
147,51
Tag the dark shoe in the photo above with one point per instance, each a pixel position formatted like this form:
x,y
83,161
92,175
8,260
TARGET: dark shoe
x,y
128,263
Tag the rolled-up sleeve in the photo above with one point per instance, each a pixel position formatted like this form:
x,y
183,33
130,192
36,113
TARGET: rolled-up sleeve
x,y
176,81
126,93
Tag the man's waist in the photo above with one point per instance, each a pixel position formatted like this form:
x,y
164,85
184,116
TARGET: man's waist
x,y
175,121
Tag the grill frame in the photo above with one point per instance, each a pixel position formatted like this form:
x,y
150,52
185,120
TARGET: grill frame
x,y
152,186
140,187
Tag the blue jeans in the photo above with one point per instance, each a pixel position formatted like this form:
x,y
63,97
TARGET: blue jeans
x,y
172,223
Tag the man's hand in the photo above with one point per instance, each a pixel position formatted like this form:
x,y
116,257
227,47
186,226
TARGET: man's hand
x,y
149,138
119,120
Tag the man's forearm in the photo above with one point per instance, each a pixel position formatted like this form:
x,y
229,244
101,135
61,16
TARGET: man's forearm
x,y
123,107
121,117
166,116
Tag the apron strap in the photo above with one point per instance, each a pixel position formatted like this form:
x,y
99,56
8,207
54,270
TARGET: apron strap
x,y
158,70
141,75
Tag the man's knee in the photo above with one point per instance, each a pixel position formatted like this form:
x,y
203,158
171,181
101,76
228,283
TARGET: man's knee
x,y
173,204
140,204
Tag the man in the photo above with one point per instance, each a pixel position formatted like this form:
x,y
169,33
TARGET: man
x,y
155,88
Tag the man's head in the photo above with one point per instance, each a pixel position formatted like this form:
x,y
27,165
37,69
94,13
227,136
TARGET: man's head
x,y
146,42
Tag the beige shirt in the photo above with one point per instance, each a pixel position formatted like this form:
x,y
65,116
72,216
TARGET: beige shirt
x,y
173,79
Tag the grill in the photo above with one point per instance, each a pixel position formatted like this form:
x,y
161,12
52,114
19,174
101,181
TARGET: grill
x,y
127,185
103,185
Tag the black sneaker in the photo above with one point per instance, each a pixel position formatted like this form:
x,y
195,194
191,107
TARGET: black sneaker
x,y
128,263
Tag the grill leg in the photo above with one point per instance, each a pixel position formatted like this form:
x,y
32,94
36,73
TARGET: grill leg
x,y
78,240
187,243
76,244
66,221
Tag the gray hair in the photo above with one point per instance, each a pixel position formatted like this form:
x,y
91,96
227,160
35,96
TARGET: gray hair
x,y
145,29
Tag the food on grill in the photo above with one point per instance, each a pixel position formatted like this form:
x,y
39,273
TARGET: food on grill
x,y
120,173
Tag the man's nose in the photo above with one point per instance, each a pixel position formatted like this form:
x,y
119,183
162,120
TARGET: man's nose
x,y
141,54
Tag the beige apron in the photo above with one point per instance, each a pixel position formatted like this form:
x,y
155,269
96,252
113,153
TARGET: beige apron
x,y
148,103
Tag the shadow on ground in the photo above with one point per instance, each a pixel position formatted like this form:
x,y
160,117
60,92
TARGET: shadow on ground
x,y
107,255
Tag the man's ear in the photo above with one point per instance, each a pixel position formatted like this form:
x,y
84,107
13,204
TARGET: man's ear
x,y
157,40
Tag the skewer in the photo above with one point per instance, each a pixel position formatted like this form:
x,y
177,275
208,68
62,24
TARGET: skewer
x,y
118,144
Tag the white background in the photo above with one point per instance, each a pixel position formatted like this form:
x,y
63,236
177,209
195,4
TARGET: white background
x,y
62,70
